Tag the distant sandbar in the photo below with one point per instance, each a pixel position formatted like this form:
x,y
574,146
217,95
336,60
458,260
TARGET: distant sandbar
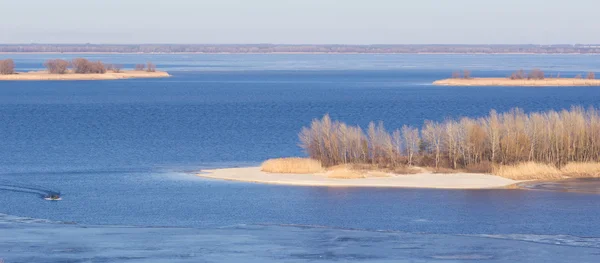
x,y
44,75
549,82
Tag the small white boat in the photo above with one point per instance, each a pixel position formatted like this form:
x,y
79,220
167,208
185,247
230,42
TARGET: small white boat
x,y
53,198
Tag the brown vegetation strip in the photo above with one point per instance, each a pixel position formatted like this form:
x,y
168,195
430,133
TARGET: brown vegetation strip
x,y
567,141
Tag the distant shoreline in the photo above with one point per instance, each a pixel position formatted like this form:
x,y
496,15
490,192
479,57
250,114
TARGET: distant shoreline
x,y
420,180
296,53
548,82
43,76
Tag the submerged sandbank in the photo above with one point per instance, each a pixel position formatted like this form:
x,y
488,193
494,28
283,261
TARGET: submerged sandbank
x,y
44,75
420,180
550,82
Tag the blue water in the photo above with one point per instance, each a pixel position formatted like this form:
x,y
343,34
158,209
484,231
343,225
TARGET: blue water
x,y
123,154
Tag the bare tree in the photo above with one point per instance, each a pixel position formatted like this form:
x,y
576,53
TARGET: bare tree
x,y
466,74
80,65
578,76
456,75
536,74
140,67
590,75
520,74
150,67
57,66
7,67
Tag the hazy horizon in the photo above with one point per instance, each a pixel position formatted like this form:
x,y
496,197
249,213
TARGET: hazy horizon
x,y
351,22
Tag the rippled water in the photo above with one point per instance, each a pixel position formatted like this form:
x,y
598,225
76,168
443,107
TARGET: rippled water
x,y
584,185
122,154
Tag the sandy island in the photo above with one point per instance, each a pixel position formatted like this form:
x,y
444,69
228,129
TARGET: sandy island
x,y
550,82
420,180
44,75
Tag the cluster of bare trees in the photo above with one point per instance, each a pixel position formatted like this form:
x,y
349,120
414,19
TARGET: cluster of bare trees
x,y
508,138
535,74
149,67
84,66
465,74
7,67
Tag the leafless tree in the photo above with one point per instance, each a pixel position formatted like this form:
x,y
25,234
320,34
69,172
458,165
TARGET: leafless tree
x,y
140,67
57,66
520,74
590,75
466,74
536,74
150,67
456,75
7,67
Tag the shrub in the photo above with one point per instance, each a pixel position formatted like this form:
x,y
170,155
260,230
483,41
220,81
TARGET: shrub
x,y
57,66
7,67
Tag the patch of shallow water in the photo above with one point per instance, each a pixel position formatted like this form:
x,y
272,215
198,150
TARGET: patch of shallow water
x,y
584,185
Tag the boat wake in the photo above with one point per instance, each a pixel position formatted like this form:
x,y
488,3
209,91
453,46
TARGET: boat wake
x,y
29,189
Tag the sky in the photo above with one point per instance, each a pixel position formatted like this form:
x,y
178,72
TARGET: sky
x,y
300,21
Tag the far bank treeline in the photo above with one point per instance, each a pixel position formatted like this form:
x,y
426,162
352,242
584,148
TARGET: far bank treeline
x,y
77,66
554,138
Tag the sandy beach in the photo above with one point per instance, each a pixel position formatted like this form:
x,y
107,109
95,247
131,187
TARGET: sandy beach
x,y
550,82
43,75
420,180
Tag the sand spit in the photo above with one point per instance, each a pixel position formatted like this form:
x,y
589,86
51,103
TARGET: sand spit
x,y
43,75
420,180
550,82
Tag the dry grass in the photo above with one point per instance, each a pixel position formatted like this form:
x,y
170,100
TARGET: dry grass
x,y
345,172
581,170
527,171
292,166
539,171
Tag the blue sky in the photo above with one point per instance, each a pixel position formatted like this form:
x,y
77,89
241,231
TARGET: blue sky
x,y
300,21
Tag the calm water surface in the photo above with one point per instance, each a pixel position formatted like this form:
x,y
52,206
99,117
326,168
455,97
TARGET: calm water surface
x,y
123,152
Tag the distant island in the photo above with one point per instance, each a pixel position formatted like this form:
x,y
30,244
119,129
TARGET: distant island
x,y
78,69
535,78
290,48
496,151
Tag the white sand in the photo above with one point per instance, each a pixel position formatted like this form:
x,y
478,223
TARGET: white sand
x,y
422,180
42,75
